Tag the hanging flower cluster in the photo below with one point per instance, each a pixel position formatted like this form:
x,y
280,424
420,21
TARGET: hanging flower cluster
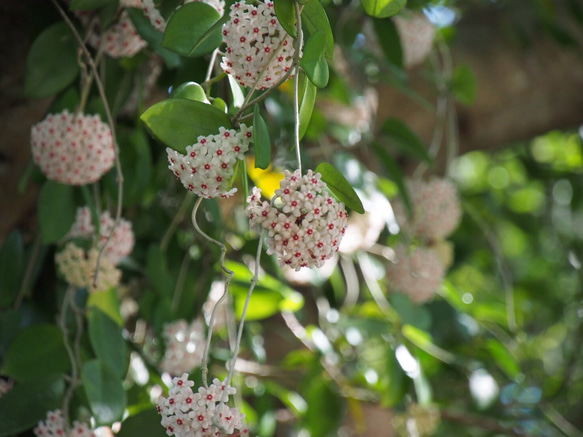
x,y
158,21
202,414
306,228
208,165
418,273
78,268
121,39
54,425
184,346
122,241
417,34
436,209
259,50
425,421
72,149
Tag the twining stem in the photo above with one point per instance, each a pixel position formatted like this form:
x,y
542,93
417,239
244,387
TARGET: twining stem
x,y
229,273
110,120
67,301
299,42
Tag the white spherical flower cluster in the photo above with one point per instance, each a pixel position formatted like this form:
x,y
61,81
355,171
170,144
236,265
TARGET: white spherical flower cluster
x,y
418,273
5,386
259,50
121,39
72,149
78,267
158,21
307,226
417,34
184,346
436,209
187,414
122,241
54,425
208,165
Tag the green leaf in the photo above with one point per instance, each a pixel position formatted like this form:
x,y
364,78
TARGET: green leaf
x,y
405,139
90,4
393,381
261,141
11,268
157,271
105,392
389,40
383,8
340,187
28,402
313,61
145,423
179,122
410,313
315,19
56,210
51,64
307,94
189,91
324,405
107,342
503,358
108,303
464,85
194,30
35,345
286,15
395,173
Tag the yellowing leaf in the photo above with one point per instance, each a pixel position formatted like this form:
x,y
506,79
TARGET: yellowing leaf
x,y
267,180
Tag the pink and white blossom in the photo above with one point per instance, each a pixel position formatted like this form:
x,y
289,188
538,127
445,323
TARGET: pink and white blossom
x,y
54,426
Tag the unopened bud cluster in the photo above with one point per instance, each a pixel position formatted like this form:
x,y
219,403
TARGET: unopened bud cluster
x,y
305,225
201,414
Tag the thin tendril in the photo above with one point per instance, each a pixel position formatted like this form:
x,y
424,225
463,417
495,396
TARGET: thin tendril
x,y
229,273
299,41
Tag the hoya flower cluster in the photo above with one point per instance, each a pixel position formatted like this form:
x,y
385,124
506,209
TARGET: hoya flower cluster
x,y
259,50
74,149
78,268
158,21
436,209
417,34
209,164
54,425
416,272
202,414
122,241
184,346
305,225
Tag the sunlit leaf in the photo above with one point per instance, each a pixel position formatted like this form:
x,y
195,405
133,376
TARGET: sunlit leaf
x,y
52,62
189,91
179,122
313,61
108,303
56,210
261,141
307,94
286,15
193,30
105,392
383,8
340,187
315,19
107,342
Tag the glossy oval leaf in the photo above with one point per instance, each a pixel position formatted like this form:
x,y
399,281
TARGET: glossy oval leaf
x,y
107,342
313,61
383,8
286,15
340,187
179,122
105,392
389,40
261,141
400,136
189,91
56,210
11,268
51,64
36,344
193,31
145,423
307,94
315,19
108,303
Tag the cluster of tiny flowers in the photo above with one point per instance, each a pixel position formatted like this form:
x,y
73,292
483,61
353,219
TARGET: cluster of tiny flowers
x,y
208,165
5,386
158,21
417,273
54,425
121,39
202,414
72,149
184,346
436,209
78,267
122,241
424,420
259,51
307,227
416,34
